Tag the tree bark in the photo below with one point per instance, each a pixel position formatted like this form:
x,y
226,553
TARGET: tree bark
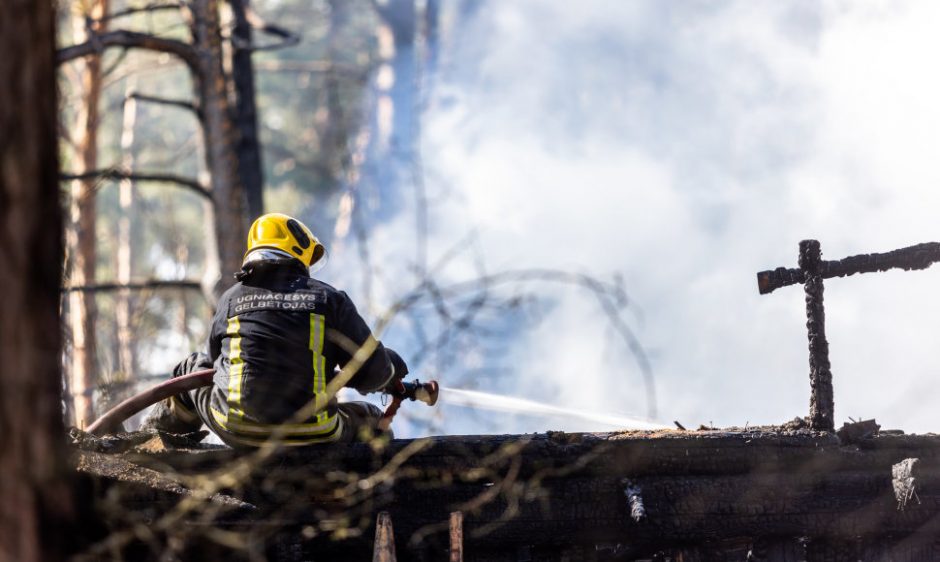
x,y
36,508
228,195
246,114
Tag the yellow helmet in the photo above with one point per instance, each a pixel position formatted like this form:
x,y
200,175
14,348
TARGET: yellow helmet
x,y
281,232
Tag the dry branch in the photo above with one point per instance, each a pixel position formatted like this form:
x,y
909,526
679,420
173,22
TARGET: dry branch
x,y
147,8
130,40
141,286
118,174
182,104
287,38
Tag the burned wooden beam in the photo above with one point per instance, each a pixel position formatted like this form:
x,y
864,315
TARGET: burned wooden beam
x,y
634,497
811,273
820,375
858,432
904,482
456,536
704,490
384,550
920,256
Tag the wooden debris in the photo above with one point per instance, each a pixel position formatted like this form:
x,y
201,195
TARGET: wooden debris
x,y
634,500
555,496
384,550
904,482
858,431
456,536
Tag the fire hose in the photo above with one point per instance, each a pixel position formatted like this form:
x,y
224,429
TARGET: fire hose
x,y
112,419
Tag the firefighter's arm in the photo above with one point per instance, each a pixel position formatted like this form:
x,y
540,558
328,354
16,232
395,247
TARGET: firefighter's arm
x,y
351,332
399,368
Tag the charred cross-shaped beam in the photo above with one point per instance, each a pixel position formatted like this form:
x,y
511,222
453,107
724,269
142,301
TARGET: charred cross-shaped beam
x,y
811,273
920,256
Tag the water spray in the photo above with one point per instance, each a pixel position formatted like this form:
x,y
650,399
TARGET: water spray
x,y
489,401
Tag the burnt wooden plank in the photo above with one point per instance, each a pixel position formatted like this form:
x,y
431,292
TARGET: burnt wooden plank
x,y
919,256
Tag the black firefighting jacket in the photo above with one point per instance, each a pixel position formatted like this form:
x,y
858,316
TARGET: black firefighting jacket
x,y
276,338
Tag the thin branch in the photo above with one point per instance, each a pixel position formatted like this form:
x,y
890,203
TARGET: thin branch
x,y
138,286
287,38
119,174
147,8
130,40
312,66
115,64
183,104
611,298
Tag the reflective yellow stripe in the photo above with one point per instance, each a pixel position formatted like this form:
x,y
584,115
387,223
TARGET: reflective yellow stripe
x,y
317,334
328,432
236,370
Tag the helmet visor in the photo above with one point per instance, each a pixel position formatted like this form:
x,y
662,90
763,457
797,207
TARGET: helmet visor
x,y
320,263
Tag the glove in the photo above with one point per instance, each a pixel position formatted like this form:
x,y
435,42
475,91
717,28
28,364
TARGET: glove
x,y
401,369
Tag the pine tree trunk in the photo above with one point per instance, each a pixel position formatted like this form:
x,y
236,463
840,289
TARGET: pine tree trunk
x,y
246,114
35,501
83,217
228,194
123,306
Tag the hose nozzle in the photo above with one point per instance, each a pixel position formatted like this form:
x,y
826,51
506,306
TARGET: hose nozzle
x,y
416,390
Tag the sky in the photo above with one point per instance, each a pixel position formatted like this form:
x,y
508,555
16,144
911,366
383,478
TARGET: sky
x,y
685,146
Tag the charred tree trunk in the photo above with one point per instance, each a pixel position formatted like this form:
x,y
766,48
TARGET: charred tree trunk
x,y
83,217
36,508
246,114
228,196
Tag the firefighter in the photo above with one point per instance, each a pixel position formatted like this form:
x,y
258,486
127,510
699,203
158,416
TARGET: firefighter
x,y
276,339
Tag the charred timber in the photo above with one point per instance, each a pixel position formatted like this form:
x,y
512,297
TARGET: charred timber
x,y
820,373
704,492
920,256
630,455
695,490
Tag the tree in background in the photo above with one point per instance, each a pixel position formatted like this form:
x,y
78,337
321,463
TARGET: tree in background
x,y
225,199
81,236
338,144
178,171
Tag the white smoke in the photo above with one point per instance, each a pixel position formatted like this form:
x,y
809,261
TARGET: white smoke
x,y
688,146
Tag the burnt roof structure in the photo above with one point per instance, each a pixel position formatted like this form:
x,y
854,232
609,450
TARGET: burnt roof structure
x,y
772,493
794,492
